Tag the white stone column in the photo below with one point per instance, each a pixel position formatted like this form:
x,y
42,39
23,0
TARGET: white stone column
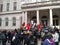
x,y
51,17
37,12
26,17
23,18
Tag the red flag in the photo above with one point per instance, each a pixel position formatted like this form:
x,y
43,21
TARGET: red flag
x,y
23,24
40,26
28,27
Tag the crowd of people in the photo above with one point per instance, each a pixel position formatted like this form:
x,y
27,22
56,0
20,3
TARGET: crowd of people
x,y
30,34
51,37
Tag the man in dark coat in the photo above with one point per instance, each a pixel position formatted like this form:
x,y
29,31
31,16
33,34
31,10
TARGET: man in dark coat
x,y
0,37
9,37
4,38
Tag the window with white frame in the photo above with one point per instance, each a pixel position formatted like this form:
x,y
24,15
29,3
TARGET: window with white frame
x,y
6,21
0,21
14,21
8,4
1,7
15,6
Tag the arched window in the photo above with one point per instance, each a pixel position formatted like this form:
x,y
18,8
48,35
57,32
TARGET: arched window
x,y
6,21
15,6
44,17
14,21
44,20
55,20
0,21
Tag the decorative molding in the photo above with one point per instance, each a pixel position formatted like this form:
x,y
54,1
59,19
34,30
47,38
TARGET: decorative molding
x,y
11,12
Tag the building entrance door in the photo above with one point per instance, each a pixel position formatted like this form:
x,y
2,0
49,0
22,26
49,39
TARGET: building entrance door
x,y
44,22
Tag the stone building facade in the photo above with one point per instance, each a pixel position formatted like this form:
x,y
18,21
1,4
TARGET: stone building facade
x,y
14,12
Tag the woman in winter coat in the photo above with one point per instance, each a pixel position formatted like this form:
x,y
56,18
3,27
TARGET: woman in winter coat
x,y
48,41
56,37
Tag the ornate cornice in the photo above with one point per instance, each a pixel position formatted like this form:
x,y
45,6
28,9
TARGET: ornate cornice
x,y
39,4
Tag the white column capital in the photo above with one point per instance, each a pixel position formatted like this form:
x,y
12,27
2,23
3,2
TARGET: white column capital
x,y
50,8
